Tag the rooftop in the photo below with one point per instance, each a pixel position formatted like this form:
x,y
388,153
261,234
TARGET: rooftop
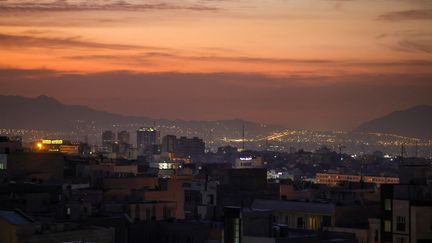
x,y
295,206
15,217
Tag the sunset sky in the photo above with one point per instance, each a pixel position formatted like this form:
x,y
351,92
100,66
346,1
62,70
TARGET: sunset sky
x,y
321,64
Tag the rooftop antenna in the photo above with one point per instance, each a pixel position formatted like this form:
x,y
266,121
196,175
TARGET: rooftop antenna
x,y
402,151
430,149
340,147
210,139
361,174
363,150
243,136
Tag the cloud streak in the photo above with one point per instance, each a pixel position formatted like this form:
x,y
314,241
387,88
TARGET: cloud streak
x,y
154,58
408,41
149,56
23,41
415,46
416,14
61,6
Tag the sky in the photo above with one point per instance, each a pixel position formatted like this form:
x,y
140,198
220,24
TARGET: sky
x,y
313,64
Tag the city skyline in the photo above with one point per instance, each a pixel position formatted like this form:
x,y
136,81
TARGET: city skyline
x,y
215,121
315,64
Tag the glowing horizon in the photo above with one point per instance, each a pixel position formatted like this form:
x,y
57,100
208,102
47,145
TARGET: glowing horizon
x,y
310,43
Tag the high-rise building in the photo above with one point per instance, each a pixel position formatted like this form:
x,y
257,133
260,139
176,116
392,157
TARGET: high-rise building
x,y
190,147
123,137
169,144
147,137
123,142
248,161
108,139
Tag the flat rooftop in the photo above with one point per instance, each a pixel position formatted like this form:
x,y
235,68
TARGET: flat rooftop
x,y
295,206
15,217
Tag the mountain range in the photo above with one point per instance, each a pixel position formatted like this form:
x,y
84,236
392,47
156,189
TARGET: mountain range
x,y
414,122
48,114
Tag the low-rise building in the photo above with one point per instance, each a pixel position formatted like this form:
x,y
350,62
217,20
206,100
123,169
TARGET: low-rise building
x,y
334,179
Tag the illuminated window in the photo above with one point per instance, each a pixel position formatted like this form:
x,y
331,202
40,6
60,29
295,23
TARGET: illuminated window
x,y
236,230
387,226
387,205
312,223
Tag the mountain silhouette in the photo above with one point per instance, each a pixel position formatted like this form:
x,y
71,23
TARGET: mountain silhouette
x,y
413,122
48,114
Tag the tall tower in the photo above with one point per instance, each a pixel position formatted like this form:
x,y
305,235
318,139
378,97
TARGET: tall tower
x,y
108,138
243,136
147,136
123,137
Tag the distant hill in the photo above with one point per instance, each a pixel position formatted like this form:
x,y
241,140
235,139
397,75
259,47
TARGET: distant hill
x,y
46,113
414,122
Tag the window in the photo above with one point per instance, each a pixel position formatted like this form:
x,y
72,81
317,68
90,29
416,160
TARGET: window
x,y
148,215
153,212
387,205
137,211
211,199
312,224
400,223
300,223
236,230
165,212
430,224
387,226
326,221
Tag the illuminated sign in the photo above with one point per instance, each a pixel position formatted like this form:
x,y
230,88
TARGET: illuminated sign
x,y
55,141
147,129
69,149
246,158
